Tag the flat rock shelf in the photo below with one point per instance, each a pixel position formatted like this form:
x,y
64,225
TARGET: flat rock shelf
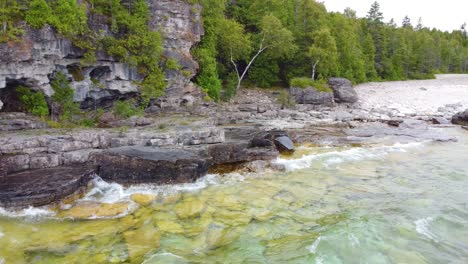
x,y
43,186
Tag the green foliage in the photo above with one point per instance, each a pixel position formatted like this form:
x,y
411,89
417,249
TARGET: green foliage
x,y
136,44
173,64
132,42
320,85
39,13
34,102
285,99
63,97
126,109
265,72
230,86
10,15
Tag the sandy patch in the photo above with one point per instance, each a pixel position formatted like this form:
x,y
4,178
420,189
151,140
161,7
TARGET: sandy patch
x,y
422,97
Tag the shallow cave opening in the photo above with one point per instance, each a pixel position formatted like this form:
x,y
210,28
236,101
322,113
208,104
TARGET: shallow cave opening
x,y
10,97
100,73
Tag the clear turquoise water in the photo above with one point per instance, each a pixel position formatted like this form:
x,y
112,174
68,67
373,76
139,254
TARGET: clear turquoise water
x,y
404,203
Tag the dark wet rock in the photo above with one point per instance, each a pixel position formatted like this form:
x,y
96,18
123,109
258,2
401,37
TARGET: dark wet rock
x,y
235,152
343,90
461,118
149,165
284,144
259,142
281,140
440,121
311,96
43,186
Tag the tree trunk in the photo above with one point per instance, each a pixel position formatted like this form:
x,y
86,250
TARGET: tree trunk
x,y
241,77
314,66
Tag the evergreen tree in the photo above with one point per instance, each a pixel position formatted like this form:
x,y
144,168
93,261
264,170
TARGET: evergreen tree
x,y
374,15
406,23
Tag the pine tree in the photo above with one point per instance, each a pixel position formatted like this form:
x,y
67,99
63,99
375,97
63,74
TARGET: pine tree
x,y
406,23
374,15
419,26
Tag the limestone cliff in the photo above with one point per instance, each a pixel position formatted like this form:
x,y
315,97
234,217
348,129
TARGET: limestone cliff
x,y
41,53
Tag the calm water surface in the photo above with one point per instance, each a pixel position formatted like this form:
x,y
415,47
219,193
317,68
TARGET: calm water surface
x,y
404,203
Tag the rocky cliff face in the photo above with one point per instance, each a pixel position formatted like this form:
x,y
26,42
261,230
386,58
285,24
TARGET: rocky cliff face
x,y
34,61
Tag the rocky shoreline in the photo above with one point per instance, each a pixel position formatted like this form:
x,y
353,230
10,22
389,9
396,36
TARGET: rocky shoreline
x,y
41,166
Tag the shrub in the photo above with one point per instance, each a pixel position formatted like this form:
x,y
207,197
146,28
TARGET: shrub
x,y
285,99
34,102
38,13
320,85
63,96
126,109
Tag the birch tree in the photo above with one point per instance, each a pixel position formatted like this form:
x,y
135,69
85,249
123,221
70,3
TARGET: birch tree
x,y
324,51
273,38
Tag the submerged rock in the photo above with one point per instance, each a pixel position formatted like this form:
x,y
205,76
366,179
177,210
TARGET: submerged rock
x,y
143,199
85,210
461,118
189,208
343,90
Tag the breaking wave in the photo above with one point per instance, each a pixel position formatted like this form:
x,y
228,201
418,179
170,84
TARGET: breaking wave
x,y
423,228
349,155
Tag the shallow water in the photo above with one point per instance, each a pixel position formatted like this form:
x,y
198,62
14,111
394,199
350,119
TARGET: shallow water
x,y
405,203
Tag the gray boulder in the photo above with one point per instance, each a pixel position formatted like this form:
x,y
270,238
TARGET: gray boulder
x,y
311,95
343,90
461,118
284,144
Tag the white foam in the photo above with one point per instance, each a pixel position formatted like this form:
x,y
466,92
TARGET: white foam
x,y
2,261
319,260
422,227
29,213
349,155
105,192
313,248
1,235
159,255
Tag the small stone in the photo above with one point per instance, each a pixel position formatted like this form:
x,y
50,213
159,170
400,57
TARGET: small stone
x,y
189,208
143,199
94,209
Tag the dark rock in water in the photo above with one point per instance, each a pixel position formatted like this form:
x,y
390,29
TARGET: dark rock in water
x,y
149,165
284,144
461,118
281,140
343,90
440,121
465,127
43,186
311,95
235,152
